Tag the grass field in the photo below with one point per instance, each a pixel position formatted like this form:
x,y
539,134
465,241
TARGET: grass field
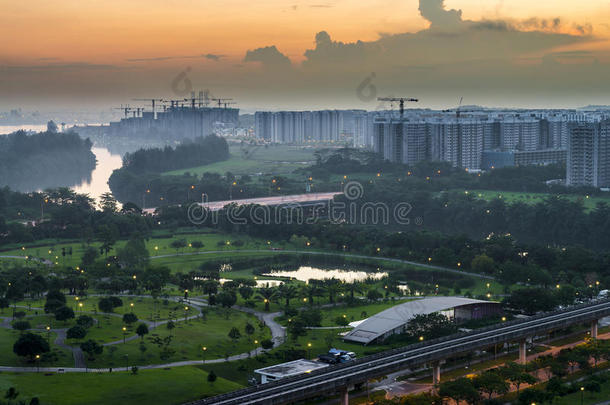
x,y
272,159
173,386
7,358
509,197
188,340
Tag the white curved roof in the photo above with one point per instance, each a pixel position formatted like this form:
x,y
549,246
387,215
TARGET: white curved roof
x,y
395,317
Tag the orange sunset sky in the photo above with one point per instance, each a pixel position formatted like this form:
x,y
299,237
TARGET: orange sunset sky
x,y
270,54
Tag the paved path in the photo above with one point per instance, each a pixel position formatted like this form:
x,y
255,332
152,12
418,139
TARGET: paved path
x,y
318,253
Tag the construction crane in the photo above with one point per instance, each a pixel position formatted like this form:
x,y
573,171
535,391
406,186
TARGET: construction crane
x,y
176,103
153,102
126,109
401,102
458,111
221,100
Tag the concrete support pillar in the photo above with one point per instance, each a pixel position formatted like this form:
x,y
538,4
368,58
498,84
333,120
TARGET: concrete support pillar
x,y
522,352
594,329
344,397
436,373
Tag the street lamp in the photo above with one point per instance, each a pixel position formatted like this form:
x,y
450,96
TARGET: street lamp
x,y
309,350
582,395
48,328
124,333
203,350
38,363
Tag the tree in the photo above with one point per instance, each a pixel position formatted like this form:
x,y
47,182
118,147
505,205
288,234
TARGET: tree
x,y
246,292
234,334
483,264
21,326
89,256
3,304
249,329
76,332
130,318
461,389
108,304
92,348
134,254
430,326
29,345
64,313
287,292
142,330
491,382
226,299
267,293
85,321
197,245
516,374
532,396
211,377
342,321
531,300
178,244
373,295
170,326
12,392
267,344
296,327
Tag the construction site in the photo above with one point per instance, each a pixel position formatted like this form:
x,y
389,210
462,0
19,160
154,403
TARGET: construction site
x,y
168,120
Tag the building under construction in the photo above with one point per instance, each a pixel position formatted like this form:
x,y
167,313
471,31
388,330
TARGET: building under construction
x,y
176,120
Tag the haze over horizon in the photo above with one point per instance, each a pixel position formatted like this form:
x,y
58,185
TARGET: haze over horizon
x,y
317,55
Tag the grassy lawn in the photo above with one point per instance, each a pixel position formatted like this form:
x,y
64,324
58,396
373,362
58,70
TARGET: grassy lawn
x,y
7,358
272,159
533,198
188,340
174,386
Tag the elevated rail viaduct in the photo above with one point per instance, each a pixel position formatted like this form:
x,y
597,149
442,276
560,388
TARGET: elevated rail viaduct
x,y
339,378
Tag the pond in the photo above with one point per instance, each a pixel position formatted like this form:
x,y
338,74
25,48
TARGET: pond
x,y
306,273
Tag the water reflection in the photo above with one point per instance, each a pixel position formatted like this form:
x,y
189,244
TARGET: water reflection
x,y
97,183
306,273
259,283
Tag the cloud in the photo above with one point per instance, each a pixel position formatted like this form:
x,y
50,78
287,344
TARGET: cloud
x,y
439,18
209,56
71,66
449,38
213,57
269,57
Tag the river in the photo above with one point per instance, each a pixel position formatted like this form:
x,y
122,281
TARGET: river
x,y
106,163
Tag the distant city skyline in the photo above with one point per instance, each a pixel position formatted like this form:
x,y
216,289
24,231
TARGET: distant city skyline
x,y
308,55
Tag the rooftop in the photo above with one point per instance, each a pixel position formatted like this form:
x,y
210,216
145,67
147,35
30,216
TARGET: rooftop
x,y
291,368
398,315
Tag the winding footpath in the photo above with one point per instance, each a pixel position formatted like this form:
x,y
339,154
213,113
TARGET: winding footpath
x,y
80,365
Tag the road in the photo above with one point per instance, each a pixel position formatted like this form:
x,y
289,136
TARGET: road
x,y
340,376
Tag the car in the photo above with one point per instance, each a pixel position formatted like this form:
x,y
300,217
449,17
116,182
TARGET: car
x,y
329,359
